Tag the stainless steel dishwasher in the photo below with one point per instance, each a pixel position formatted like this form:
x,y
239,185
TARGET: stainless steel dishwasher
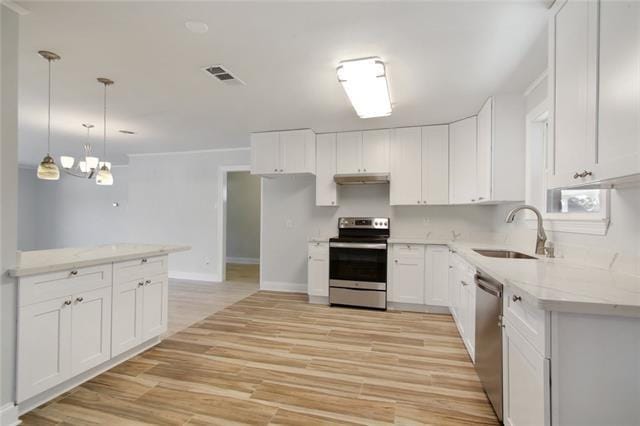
x,y
489,338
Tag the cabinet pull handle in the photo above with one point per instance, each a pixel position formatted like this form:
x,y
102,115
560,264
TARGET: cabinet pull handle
x,y
275,170
144,260
473,200
584,174
516,298
74,272
79,299
67,302
480,198
281,170
140,284
463,283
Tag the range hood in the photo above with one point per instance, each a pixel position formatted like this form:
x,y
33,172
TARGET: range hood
x,y
361,179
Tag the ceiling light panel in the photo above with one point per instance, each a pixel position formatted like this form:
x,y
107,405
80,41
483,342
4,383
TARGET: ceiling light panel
x,y
366,86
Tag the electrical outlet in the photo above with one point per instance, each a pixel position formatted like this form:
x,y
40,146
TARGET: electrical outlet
x,y
289,223
207,261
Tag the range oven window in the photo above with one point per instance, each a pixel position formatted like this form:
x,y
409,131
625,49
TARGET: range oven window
x,y
356,264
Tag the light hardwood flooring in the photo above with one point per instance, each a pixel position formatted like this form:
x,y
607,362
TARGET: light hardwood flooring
x,y
272,358
243,273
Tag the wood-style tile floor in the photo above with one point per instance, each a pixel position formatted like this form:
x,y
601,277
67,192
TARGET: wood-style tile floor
x,y
244,273
272,358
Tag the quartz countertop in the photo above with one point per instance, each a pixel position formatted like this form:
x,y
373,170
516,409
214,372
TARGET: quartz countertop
x,y
551,284
43,261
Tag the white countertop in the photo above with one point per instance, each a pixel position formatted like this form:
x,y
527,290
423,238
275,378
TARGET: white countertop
x,y
43,261
552,284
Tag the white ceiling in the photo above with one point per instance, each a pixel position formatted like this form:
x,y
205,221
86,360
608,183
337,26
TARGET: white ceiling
x,y
443,60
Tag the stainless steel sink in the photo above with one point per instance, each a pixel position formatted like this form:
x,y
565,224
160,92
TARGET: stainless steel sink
x,y
503,254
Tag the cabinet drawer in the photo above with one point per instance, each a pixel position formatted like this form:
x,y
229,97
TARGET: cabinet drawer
x,y
530,321
39,288
408,250
319,250
130,270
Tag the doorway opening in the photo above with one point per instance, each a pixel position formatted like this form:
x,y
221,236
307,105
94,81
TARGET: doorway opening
x,y
241,226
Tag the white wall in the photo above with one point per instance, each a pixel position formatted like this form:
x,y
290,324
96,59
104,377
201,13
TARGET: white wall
x,y
243,217
8,208
173,199
71,212
290,217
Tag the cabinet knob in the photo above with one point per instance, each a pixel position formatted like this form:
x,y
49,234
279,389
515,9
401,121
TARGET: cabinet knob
x,y
74,272
516,298
141,283
419,201
147,282
395,261
358,169
67,302
144,260
79,299
275,170
309,257
473,200
333,203
480,198
364,170
281,170
463,283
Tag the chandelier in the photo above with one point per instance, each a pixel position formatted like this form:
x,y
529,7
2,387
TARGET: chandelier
x,y
85,167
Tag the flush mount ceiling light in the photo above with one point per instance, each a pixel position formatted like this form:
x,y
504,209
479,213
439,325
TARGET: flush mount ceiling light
x,y
47,169
196,27
365,82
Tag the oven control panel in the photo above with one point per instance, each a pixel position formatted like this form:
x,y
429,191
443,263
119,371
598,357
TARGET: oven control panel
x,y
363,223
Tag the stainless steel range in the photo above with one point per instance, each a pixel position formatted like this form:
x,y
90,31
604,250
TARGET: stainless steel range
x,y
358,262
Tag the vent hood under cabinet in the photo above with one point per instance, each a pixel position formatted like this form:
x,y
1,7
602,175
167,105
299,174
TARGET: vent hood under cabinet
x,y
361,179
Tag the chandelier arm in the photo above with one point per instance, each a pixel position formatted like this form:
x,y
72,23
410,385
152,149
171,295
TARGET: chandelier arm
x,y
71,172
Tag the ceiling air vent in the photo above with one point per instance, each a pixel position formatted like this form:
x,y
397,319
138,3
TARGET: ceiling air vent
x,y
223,74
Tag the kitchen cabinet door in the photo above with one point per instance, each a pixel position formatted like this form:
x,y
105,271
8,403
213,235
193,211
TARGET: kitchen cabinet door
x,y
468,303
618,152
318,269
574,55
483,156
408,275
375,151
326,188
435,164
462,161
126,330
265,153
90,329
44,345
406,167
154,307
349,155
436,276
525,373
297,151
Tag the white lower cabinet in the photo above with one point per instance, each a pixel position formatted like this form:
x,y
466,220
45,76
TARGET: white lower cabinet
x,y
318,269
87,317
407,274
462,295
525,373
436,276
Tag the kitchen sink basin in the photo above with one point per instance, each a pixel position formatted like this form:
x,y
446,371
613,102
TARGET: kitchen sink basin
x,y
503,254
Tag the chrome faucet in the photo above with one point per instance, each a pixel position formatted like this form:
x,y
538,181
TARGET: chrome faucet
x,y
542,236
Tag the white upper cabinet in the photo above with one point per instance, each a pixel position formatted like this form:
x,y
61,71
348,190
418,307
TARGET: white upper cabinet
x,y
349,154
406,167
618,143
483,155
462,161
435,164
286,152
326,188
573,60
375,151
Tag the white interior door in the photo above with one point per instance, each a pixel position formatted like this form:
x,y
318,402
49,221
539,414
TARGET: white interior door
x,y
406,167
349,156
435,164
90,329
375,151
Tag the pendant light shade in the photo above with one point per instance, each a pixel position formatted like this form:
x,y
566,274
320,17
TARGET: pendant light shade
x,y
47,169
104,176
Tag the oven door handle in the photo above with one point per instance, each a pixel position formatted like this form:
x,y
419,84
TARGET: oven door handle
x,y
367,246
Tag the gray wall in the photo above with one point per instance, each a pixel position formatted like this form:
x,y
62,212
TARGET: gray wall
x,y
8,201
243,216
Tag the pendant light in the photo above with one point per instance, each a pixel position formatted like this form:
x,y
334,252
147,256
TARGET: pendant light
x,y
104,176
47,168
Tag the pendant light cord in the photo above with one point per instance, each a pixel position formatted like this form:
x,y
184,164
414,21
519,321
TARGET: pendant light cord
x,y
104,148
49,115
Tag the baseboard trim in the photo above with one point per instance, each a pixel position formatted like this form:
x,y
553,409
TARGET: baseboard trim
x,y
283,286
37,400
319,300
414,307
194,276
244,260
9,415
